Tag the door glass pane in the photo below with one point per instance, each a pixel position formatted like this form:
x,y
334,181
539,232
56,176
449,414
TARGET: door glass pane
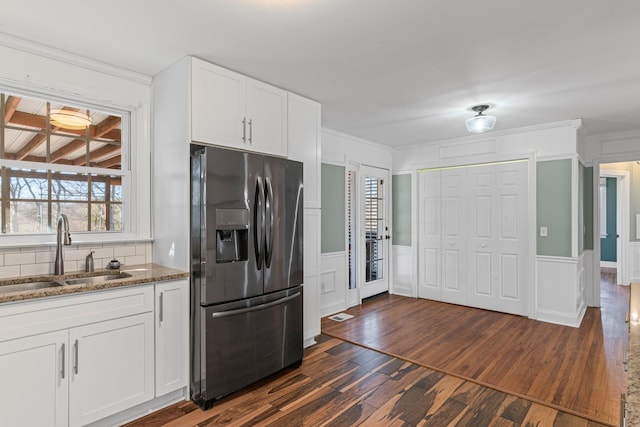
x,y
374,228
351,226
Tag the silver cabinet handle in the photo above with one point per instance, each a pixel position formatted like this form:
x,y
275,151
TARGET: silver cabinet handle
x,y
244,129
75,361
161,306
250,131
63,361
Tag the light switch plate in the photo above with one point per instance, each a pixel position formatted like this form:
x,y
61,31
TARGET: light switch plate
x,y
543,231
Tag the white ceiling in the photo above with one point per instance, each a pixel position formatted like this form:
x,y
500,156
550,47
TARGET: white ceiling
x,y
396,72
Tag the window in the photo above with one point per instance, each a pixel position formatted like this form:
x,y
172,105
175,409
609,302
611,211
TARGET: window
x,y
603,208
351,226
58,158
374,227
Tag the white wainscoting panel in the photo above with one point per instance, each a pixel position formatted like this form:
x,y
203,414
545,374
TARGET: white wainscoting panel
x,y
403,282
311,248
588,278
311,292
311,312
558,297
333,283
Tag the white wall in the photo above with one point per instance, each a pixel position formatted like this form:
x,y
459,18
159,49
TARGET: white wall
x,y
39,71
349,151
551,141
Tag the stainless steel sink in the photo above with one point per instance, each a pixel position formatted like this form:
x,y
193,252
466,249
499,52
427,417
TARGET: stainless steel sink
x,y
31,286
96,279
28,286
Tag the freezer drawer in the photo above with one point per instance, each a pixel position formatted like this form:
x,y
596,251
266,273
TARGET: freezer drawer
x,y
248,340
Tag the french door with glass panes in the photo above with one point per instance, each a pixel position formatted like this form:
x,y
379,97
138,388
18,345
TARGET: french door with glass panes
x,y
374,262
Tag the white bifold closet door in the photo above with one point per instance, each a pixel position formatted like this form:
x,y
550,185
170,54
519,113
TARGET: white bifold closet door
x,y
473,236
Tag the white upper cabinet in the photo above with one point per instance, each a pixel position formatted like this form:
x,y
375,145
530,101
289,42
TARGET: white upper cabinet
x,y
304,144
217,105
233,110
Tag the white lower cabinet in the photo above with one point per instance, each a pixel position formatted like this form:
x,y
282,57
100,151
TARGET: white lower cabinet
x,y
172,336
111,367
74,360
34,386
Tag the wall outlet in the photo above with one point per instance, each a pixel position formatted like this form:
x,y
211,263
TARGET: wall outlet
x,y
543,231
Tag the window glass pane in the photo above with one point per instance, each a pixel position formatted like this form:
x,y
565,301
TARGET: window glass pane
x,y
69,186
105,155
116,189
98,217
25,145
26,184
106,217
98,189
66,149
115,217
77,214
28,217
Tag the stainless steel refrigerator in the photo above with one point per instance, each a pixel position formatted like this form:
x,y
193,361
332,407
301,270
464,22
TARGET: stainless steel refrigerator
x,y
246,269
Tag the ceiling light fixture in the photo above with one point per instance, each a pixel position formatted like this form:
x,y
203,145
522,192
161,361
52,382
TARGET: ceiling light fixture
x,y
69,119
480,123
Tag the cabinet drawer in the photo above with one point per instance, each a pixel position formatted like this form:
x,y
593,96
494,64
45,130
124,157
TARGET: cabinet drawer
x,y
35,317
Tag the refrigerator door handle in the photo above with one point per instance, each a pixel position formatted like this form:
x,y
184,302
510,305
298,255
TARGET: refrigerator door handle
x,y
269,217
254,308
258,223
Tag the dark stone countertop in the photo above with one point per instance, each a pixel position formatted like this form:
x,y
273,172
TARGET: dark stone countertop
x,y
139,274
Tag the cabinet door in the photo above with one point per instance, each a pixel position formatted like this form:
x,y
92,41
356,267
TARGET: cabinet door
x,y
217,105
111,366
304,144
34,385
267,118
172,336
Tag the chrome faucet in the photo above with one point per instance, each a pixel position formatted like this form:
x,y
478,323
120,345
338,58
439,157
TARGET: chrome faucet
x,y
58,268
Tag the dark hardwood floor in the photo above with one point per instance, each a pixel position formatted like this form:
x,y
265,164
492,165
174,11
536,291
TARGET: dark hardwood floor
x,y
342,384
577,370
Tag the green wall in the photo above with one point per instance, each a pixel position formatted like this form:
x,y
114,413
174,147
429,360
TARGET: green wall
x,y
401,203
588,208
608,244
580,208
554,207
333,209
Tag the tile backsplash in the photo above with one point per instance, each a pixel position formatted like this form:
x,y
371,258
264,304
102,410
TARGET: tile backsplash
x,y
30,261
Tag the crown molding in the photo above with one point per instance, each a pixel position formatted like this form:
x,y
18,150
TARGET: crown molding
x,y
357,139
27,46
574,123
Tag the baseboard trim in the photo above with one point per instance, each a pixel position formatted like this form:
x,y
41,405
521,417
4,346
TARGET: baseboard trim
x,y
143,409
608,264
563,319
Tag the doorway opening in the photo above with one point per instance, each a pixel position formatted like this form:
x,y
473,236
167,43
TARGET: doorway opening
x,y
614,224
